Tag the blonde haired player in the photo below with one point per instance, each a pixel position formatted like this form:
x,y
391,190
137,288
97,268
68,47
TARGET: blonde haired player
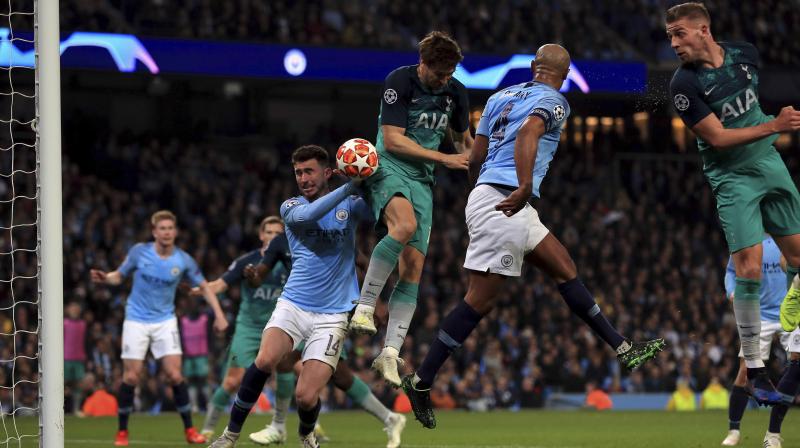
x,y
150,321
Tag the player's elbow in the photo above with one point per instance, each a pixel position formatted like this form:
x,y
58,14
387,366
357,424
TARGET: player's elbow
x,y
717,140
391,141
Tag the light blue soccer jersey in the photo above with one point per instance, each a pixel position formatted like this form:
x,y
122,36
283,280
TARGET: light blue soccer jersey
x,y
152,297
321,237
773,281
504,114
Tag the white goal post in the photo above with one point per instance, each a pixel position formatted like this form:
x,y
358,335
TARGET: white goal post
x,y
48,153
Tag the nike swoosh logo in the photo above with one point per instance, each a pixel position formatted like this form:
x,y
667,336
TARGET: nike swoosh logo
x,y
402,327
374,284
415,100
708,92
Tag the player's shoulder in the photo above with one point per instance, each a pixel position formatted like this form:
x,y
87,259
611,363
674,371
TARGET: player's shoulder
x,y
684,76
292,202
402,74
140,248
741,52
251,256
456,85
182,254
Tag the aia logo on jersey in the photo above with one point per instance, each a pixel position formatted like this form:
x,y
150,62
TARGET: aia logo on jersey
x,y
733,109
433,121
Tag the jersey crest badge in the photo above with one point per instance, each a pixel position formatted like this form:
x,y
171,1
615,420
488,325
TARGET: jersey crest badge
x,y
746,70
681,102
342,215
390,96
175,271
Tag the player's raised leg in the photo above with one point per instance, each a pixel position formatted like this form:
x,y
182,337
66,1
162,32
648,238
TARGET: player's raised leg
x,y
552,257
358,391
453,331
401,224
275,344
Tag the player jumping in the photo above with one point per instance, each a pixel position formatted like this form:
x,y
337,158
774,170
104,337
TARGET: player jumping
x,y
421,103
515,142
715,92
150,321
315,301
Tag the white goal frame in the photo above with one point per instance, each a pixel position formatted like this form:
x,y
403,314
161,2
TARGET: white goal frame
x,y
49,233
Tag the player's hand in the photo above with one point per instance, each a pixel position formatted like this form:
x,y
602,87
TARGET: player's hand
x,y
456,161
788,120
514,202
220,324
196,292
345,178
98,276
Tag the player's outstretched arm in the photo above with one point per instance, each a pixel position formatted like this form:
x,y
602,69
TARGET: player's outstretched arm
x,y
255,274
477,155
218,286
525,148
295,214
112,278
396,142
710,129
220,322
462,141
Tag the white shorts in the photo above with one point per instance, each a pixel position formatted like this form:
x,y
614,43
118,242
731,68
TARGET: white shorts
x,y
789,341
323,333
498,243
162,338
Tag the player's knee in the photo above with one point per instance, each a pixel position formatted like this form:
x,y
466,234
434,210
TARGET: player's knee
x,y
130,377
264,363
749,270
403,230
175,376
306,398
231,383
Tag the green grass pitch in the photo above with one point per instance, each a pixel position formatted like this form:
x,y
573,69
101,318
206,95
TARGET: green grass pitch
x,y
539,429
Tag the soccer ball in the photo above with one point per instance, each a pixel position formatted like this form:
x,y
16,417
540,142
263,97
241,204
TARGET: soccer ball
x,y
357,158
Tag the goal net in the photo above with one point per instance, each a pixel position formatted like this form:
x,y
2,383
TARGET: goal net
x,y
30,311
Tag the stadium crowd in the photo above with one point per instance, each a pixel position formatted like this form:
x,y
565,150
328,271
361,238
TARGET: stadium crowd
x,y
643,234
630,29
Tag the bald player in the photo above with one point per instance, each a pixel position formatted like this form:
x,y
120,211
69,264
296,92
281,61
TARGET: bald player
x,y
715,92
516,139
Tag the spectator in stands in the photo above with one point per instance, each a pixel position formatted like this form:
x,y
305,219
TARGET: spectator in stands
x,y
74,354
